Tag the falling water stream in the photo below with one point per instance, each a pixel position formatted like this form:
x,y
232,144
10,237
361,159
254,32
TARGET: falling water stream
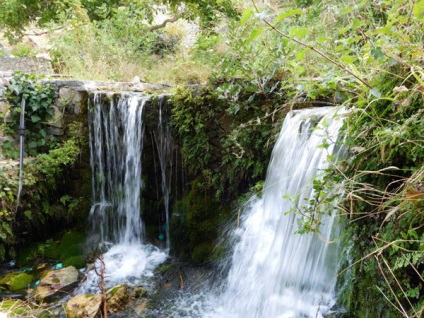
x,y
164,145
116,146
275,272
21,149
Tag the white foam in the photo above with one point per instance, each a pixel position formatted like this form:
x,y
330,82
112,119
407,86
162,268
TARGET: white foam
x,y
124,263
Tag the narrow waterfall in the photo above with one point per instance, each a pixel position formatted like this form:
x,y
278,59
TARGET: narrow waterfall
x,y
164,145
275,272
116,147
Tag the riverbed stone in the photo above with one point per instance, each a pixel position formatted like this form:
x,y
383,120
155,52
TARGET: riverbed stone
x,y
57,284
83,306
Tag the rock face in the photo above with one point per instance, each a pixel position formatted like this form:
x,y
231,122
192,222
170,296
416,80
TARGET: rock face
x,y
56,284
83,306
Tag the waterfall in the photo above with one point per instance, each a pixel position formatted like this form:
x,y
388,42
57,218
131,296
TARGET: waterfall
x,y
164,145
116,145
274,271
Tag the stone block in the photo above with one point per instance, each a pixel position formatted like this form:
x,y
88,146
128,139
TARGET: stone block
x,y
57,119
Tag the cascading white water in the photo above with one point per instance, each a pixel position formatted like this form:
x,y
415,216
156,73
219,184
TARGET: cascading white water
x,y
116,146
275,272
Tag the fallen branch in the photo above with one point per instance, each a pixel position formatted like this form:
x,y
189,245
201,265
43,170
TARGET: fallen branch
x,y
101,285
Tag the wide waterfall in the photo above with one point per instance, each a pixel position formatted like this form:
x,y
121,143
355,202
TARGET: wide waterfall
x,y
274,271
116,147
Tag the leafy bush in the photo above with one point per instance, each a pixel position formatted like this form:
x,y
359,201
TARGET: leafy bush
x,y
38,99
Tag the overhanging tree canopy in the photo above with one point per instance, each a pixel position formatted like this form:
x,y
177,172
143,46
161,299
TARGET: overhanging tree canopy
x,y
15,15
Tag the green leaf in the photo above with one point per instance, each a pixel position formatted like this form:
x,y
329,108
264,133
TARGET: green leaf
x,y
299,32
246,15
28,214
377,53
35,118
348,59
346,10
287,14
255,33
6,227
300,55
32,145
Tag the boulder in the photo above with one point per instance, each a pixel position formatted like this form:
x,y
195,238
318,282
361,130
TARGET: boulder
x,y
57,284
83,306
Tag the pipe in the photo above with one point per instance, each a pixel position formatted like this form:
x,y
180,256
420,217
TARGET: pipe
x,y
21,149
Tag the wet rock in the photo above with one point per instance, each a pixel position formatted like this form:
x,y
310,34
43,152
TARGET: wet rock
x,y
138,292
83,306
56,284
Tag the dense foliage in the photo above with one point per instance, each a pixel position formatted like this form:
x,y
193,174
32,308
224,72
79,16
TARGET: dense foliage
x,y
43,200
37,98
18,14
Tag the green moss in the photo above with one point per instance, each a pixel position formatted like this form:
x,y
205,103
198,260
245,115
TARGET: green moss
x,y
17,281
71,244
76,261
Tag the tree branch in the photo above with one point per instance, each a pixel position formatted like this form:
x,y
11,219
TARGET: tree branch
x,y
313,49
318,52
164,23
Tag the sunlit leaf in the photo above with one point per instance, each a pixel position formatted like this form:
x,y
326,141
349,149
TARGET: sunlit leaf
x,y
246,15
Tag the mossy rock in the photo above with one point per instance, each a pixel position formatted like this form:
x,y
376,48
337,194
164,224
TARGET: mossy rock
x,y
16,281
76,261
71,244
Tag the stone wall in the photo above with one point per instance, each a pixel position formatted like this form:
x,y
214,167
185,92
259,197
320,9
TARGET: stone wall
x,y
26,64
